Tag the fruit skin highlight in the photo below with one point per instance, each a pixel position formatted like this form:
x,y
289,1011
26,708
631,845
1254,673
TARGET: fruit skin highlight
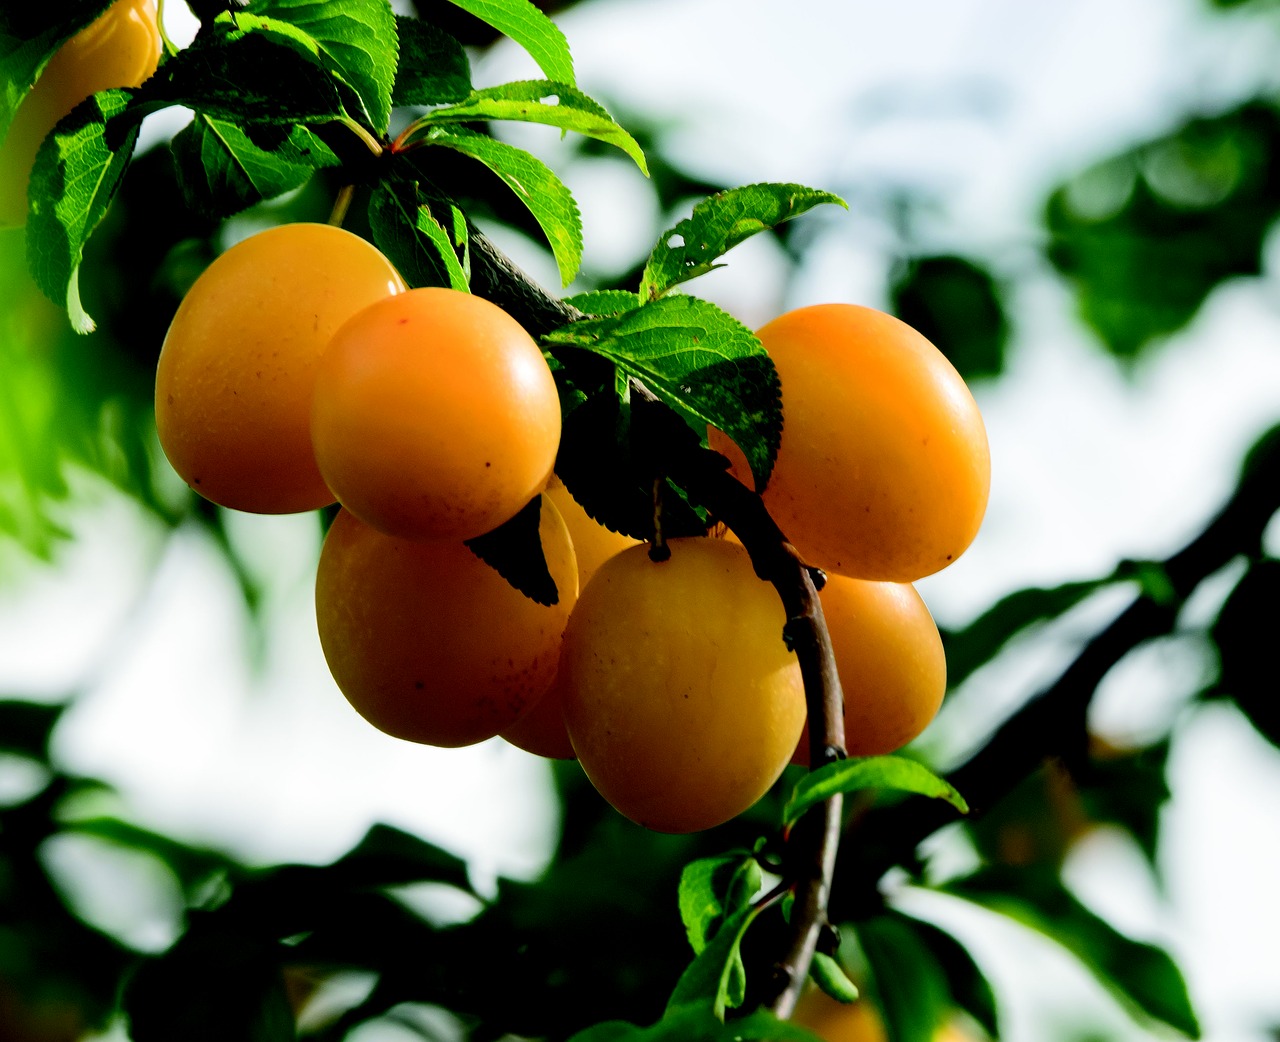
x,y
121,48
429,643
884,468
237,370
435,415
681,700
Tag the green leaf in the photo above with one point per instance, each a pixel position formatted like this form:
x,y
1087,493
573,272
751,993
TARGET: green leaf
x,y
424,247
718,224
604,301
259,75
542,101
700,361
544,194
433,68
531,29
76,174
956,304
514,551
969,987
1141,975
224,168
357,39
829,975
979,641
30,34
1144,236
596,463
713,890
871,772
388,856
911,985
25,727
698,1024
712,979
1244,632
193,866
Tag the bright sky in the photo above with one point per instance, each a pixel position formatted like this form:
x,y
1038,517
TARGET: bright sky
x,y
980,104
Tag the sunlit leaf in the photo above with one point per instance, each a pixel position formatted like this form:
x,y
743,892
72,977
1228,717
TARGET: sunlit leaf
x,y
531,29
895,773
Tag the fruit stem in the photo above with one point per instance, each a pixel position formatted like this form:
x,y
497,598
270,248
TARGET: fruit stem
x,y
341,204
370,142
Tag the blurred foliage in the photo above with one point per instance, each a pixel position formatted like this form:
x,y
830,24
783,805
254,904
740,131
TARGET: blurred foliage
x,y
1146,235
958,305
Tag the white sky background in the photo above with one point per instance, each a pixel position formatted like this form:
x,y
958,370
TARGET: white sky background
x,y
981,105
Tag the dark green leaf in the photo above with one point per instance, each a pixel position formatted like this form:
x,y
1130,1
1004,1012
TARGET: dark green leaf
x,y
224,168
422,233
701,362
357,39
531,29
1245,633
514,550
214,983
1142,975
956,304
698,1024
596,464
257,76
30,34
542,101
544,194
969,987
193,866
25,727
1129,788
388,856
76,175
433,68
604,301
1145,236
872,772
829,975
911,984
720,223
978,642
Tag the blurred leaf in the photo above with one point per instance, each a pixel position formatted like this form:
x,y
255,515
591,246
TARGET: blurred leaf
x,y
1142,975
1034,823
214,984
718,224
29,36
527,101
388,856
193,866
544,194
25,727
956,304
910,982
357,39
433,67
969,987
76,174
531,29
1145,236
698,360
225,168
872,772
514,551
1244,632
423,234
697,1024
979,641
1130,788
